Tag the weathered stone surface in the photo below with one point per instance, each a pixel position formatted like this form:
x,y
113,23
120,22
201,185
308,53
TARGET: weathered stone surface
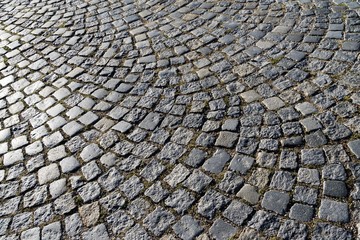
x,y
335,189
52,231
282,180
275,201
187,228
197,181
97,232
216,163
264,221
237,212
48,173
292,230
158,221
222,230
241,163
210,203
324,230
355,147
180,200
90,214
305,194
301,212
249,193
179,119
119,221
334,211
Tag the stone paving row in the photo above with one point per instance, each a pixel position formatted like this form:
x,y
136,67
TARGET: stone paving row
x,y
134,119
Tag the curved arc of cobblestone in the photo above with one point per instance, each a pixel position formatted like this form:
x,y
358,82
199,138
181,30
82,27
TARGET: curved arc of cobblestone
x,y
269,122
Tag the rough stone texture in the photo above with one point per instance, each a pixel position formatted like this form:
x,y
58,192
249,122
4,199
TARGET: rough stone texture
x,y
187,228
237,212
179,119
355,147
52,231
292,230
211,202
158,221
324,230
334,211
305,194
335,189
301,212
264,221
249,193
97,232
216,163
48,173
221,230
275,201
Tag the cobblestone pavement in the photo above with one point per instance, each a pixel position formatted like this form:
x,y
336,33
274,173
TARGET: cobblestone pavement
x,y
134,119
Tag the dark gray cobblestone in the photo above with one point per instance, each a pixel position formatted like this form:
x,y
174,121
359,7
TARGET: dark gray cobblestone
x,y
179,119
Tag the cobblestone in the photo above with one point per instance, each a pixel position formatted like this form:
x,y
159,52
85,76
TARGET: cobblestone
x,y
179,119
